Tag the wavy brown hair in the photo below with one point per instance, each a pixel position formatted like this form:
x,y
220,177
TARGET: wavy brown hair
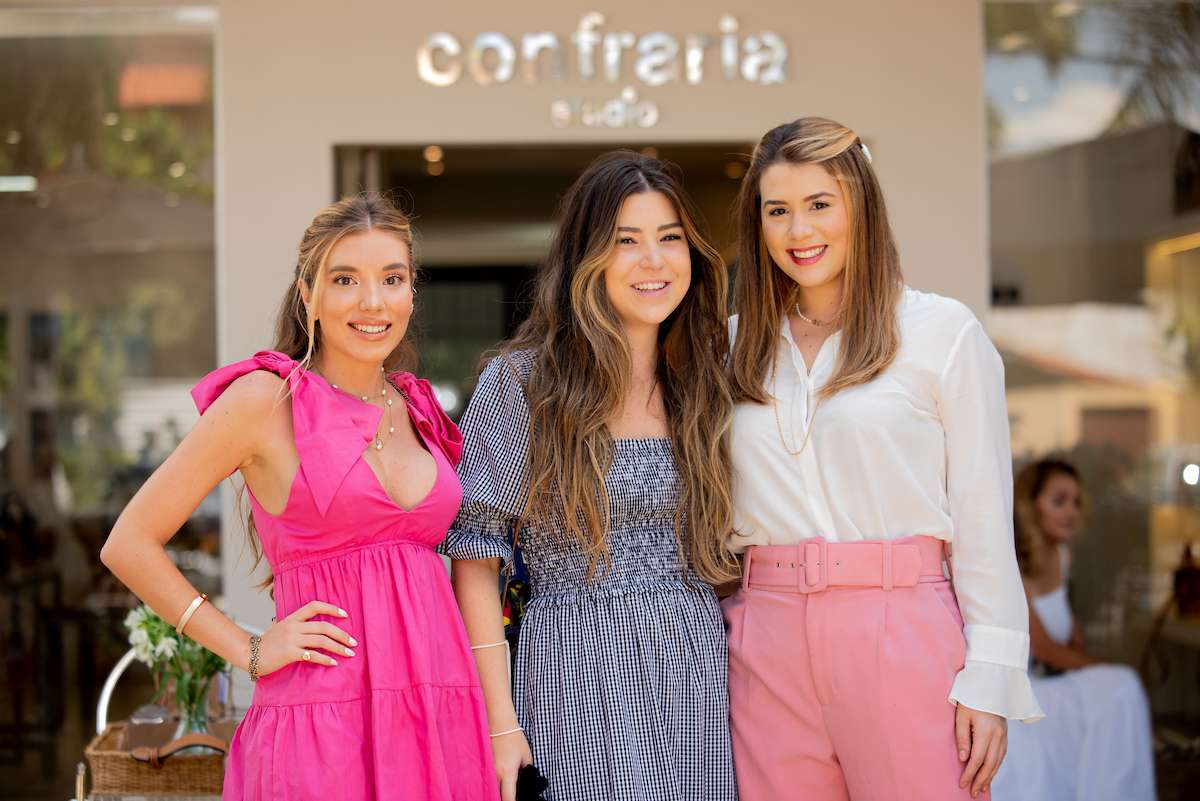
x,y
872,281
582,366
1028,485
297,334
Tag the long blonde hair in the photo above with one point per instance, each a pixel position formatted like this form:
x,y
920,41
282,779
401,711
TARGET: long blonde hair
x,y
582,366
297,333
1031,542
872,279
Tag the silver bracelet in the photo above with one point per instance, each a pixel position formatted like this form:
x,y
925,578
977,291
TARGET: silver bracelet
x,y
509,731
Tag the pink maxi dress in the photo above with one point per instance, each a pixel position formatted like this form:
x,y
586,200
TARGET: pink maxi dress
x,y
404,718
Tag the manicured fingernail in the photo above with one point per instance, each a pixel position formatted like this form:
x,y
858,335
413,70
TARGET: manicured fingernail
x,y
349,652
353,641
342,612
334,661
962,756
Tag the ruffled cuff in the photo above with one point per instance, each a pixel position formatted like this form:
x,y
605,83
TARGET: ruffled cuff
x,y
1000,689
995,677
465,545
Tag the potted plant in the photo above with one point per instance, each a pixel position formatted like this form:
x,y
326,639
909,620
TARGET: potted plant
x,y
177,662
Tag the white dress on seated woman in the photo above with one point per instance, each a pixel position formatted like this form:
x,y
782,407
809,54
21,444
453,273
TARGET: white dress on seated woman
x,y
1094,744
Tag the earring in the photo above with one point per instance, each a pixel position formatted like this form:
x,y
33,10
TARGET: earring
x,y
414,291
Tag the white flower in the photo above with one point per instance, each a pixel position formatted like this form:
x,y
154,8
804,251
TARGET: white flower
x,y
135,617
143,649
144,653
166,648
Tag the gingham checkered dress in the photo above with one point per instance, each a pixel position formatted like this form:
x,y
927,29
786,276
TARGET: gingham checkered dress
x,y
620,682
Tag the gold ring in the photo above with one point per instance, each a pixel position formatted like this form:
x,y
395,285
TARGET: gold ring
x,y
306,656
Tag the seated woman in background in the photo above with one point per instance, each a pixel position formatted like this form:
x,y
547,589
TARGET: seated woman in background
x,y
1095,741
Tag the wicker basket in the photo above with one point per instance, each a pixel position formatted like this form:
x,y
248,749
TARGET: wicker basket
x,y
115,772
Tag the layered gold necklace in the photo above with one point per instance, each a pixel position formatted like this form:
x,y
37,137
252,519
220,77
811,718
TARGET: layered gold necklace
x,y
387,400
774,384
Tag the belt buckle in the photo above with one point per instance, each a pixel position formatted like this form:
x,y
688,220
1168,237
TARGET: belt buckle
x,y
814,561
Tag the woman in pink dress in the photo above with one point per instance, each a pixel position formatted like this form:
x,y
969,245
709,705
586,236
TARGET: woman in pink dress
x,y
365,683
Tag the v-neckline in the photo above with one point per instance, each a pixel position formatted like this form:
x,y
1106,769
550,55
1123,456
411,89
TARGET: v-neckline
x,y
408,411
437,476
797,354
437,466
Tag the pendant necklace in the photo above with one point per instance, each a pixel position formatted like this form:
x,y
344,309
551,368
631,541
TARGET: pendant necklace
x,y
383,393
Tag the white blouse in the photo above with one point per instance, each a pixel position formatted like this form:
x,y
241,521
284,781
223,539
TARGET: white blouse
x,y
921,449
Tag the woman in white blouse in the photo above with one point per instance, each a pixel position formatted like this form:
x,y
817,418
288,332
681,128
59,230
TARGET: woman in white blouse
x,y
870,441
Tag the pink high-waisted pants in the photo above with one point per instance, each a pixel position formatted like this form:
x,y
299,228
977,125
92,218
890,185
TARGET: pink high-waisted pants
x,y
841,660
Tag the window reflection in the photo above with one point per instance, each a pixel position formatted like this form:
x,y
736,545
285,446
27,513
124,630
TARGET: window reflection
x,y
1093,115
107,318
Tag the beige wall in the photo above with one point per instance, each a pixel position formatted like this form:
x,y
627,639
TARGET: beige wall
x,y
295,80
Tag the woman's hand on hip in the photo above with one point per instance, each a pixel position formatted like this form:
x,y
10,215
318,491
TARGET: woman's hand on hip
x,y
982,743
297,638
510,752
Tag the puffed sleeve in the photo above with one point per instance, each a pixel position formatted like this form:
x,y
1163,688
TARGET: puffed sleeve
x,y
495,430
435,425
331,429
979,487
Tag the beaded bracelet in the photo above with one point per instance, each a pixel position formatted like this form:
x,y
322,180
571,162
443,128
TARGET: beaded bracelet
x,y
255,642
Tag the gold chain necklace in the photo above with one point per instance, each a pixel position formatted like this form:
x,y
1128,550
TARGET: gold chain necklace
x,y
391,428
779,424
774,384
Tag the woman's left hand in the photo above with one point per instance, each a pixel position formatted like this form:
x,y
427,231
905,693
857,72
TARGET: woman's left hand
x,y
982,742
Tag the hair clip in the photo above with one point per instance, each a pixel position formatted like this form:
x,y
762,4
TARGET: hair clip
x,y
866,151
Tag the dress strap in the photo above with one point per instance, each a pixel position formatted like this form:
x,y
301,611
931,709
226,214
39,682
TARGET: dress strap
x,y
432,421
331,428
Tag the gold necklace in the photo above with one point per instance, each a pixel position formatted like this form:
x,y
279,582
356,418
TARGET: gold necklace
x,y
817,323
779,424
383,394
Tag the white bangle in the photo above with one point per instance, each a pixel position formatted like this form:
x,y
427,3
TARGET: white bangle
x,y
489,645
507,662
191,610
502,733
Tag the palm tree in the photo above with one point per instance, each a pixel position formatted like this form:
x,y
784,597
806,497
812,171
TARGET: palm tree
x,y
1039,27
1157,45
1160,43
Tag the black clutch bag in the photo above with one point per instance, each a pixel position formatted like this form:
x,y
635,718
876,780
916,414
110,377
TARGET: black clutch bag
x,y
531,784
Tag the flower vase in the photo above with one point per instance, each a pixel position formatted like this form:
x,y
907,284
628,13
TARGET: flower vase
x,y
191,703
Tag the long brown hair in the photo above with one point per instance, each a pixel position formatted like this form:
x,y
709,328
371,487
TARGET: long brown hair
x,y
1028,485
297,333
871,281
582,366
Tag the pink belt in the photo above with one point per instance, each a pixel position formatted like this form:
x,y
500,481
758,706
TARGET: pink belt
x,y
816,564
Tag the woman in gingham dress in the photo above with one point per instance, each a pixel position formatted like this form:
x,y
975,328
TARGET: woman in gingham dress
x,y
610,403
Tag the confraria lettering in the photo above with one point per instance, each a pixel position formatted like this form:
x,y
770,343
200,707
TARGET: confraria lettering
x,y
657,58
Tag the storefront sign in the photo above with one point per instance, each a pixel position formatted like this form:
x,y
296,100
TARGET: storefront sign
x,y
595,54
